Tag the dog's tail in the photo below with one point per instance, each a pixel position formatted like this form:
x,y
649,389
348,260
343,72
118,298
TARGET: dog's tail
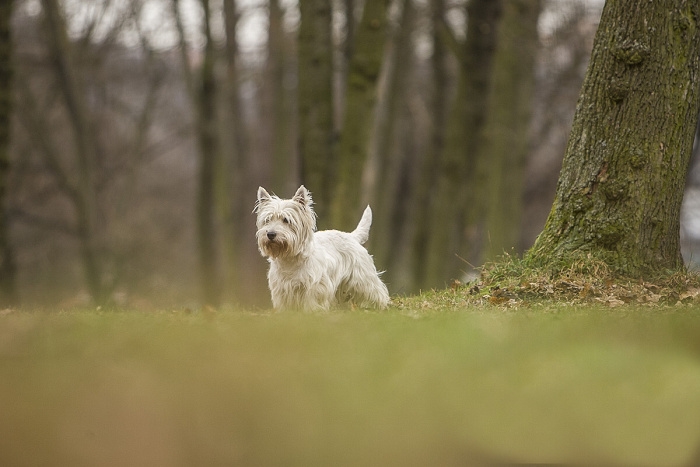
x,y
361,232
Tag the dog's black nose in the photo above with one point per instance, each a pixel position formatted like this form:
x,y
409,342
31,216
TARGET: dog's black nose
x,y
271,234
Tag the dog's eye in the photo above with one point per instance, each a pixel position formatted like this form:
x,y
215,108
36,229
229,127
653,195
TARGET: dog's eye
x,y
285,220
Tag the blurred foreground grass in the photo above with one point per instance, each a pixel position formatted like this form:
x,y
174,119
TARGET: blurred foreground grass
x,y
479,386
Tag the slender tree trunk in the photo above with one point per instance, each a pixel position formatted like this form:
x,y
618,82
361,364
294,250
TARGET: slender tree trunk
x,y
383,170
316,128
234,168
507,127
7,261
208,146
86,149
344,54
436,180
240,140
620,190
203,94
451,198
360,99
278,103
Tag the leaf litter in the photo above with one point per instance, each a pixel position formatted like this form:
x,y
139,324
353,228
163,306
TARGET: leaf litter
x,y
510,283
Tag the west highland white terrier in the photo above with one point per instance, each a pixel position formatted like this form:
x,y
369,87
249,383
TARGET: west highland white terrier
x,y
314,270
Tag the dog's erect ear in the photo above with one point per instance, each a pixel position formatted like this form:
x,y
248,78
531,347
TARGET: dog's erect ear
x,y
303,196
263,195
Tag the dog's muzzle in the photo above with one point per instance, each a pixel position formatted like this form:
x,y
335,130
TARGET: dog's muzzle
x,y
272,244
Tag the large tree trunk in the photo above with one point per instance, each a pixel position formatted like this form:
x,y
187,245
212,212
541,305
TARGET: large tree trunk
x,y
507,127
360,99
621,185
7,263
445,200
316,129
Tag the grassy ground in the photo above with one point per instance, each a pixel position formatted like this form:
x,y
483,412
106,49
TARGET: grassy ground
x,y
429,382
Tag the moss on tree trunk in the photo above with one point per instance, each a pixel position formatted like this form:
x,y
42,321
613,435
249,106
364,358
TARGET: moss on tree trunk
x,y
620,190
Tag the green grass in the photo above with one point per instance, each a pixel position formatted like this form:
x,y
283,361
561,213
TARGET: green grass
x,y
416,385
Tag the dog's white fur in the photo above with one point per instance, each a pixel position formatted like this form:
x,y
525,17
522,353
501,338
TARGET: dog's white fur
x,y
314,270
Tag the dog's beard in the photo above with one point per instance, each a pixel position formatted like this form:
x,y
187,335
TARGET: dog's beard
x,y
274,248
285,245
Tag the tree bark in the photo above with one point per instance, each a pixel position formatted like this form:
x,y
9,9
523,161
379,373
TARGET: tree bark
x,y
619,194
8,294
316,128
360,99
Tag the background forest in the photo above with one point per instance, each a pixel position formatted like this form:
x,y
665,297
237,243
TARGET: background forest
x,y
141,130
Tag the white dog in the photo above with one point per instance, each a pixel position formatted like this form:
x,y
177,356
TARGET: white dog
x,y
314,270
